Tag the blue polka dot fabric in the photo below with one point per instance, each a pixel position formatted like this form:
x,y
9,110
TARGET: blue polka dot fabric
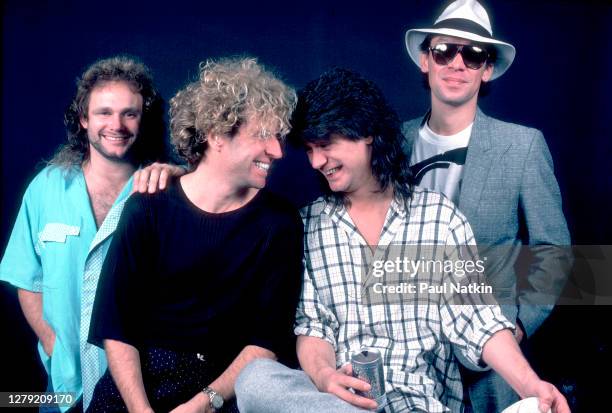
x,y
170,378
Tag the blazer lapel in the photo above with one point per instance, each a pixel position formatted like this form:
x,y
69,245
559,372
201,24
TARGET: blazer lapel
x,y
477,165
411,133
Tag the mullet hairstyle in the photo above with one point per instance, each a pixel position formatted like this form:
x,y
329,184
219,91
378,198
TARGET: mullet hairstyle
x,y
230,92
342,102
485,87
150,144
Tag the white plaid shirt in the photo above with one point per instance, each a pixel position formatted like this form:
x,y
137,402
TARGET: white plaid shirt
x,y
420,344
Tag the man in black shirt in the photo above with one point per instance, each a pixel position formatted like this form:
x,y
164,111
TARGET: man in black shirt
x,y
205,277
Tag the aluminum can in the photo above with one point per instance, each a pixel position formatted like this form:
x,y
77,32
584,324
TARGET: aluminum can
x,y
367,366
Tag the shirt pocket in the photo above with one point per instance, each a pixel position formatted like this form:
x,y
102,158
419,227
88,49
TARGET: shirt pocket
x,y
56,232
53,248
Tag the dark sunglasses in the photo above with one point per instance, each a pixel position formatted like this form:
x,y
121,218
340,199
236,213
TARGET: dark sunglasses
x,y
473,56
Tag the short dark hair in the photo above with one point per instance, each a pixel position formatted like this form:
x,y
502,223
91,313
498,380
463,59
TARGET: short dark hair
x,y
342,102
485,87
152,127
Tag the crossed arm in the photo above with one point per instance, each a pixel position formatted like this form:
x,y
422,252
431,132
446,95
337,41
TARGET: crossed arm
x,y
124,365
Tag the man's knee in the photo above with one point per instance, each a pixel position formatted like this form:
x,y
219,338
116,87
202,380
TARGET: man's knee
x,y
253,373
254,383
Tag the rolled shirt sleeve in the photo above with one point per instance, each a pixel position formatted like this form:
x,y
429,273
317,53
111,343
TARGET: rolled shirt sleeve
x,y
313,318
468,326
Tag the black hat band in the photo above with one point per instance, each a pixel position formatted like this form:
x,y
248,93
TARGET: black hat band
x,y
463,25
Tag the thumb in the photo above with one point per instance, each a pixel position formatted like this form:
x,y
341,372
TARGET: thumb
x,y
347,369
543,406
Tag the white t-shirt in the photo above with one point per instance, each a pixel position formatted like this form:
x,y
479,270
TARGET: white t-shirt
x,y
437,161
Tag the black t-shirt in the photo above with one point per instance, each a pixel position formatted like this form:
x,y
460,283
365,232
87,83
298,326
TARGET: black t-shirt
x,y
180,278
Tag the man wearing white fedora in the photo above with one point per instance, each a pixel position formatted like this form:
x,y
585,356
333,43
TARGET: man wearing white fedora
x,y
499,174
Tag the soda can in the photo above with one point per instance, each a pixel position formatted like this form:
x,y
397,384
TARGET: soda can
x,y
367,366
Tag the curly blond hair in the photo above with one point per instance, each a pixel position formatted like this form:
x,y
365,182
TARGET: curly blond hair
x,y
230,92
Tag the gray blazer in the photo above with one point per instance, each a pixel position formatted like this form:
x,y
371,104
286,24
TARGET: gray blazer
x,y
510,197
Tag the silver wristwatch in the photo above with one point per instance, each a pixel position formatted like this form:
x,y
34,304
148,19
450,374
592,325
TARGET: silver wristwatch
x,y
215,400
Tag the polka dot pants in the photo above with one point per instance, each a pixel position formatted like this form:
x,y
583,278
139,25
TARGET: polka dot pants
x,y
170,378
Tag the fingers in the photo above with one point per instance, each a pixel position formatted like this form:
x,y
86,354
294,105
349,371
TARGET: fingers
x,y
545,397
354,399
343,380
559,404
348,380
142,178
543,407
135,180
552,399
354,383
163,179
152,183
151,178
155,177
347,369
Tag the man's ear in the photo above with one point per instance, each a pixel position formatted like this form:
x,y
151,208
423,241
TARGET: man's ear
x,y
215,141
83,121
424,62
368,140
487,73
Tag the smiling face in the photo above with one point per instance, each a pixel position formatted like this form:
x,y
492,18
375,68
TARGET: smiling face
x,y
113,120
247,156
453,84
345,163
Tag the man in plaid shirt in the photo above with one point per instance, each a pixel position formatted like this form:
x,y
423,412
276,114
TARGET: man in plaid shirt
x,y
352,137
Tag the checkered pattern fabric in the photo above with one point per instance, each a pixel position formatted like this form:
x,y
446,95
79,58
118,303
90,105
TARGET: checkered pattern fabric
x,y
420,343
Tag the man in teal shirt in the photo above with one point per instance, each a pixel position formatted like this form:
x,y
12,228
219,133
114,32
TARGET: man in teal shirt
x,y
71,208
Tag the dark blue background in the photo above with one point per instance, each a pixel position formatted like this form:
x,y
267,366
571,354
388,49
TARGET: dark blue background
x,y
560,83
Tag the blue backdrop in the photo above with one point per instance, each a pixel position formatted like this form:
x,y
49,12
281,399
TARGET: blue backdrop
x,y
560,83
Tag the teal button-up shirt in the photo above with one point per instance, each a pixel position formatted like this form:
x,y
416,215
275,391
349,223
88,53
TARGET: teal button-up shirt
x,y
56,249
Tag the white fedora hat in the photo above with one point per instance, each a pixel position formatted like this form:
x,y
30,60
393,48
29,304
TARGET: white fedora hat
x,y
466,19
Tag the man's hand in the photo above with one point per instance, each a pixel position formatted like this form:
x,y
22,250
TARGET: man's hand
x,y
502,353
48,342
338,382
548,397
197,404
155,177
31,305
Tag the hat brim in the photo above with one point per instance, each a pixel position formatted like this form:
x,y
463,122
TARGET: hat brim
x,y
505,51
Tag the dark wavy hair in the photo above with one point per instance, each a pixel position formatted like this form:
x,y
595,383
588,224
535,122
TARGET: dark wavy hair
x,y
485,87
342,102
152,128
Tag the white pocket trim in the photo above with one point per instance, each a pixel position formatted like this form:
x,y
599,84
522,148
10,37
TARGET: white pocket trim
x,y
56,232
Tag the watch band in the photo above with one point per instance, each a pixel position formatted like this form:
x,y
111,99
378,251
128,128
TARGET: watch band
x,y
215,401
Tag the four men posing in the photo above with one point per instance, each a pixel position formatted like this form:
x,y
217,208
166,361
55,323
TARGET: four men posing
x,y
172,309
